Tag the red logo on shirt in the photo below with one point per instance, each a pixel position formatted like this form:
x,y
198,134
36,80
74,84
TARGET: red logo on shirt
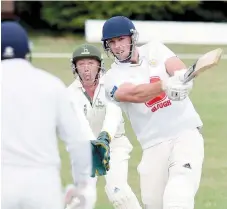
x,y
159,101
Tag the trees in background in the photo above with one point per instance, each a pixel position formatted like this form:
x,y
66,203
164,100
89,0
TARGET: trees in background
x,y
71,16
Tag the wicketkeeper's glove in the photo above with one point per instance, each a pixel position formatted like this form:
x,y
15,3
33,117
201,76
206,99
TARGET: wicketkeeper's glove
x,y
101,154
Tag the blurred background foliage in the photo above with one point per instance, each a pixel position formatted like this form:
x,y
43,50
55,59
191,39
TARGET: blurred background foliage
x,y
70,16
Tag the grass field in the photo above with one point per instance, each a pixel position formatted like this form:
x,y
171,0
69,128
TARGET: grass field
x,y
210,99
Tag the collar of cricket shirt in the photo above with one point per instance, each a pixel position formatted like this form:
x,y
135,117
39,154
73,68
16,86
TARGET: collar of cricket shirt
x,y
77,82
128,64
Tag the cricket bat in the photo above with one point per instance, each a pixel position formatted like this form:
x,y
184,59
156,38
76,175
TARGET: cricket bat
x,y
205,62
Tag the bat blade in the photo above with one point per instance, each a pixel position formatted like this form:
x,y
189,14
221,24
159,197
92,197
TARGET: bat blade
x,y
205,62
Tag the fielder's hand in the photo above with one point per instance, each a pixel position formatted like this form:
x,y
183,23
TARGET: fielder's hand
x,y
175,89
101,154
80,197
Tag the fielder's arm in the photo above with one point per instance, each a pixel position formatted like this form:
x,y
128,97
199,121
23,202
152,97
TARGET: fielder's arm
x,y
110,124
100,150
76,135
112,119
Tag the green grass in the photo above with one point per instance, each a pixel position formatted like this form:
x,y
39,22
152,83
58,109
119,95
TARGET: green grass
x,y
68,44
209,96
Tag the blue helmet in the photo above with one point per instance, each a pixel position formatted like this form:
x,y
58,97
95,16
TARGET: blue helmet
x,y
15,42
117,26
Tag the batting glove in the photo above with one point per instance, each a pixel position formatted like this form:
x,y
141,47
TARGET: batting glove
x,y
175,89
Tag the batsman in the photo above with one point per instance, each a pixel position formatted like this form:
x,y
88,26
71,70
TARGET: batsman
x,y
87,94
146,82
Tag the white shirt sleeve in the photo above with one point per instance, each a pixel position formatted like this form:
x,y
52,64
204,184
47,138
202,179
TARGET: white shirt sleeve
x,y
111,85
76,134
166,52
160,51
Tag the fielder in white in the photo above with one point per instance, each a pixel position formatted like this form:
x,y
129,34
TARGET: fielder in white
x,y
87,92
35,105
146,83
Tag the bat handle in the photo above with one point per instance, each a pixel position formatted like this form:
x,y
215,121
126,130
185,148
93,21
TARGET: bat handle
x,y
188,76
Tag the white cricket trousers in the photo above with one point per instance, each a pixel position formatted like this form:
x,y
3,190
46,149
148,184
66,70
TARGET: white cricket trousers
x,y
170,172
120,149
31,188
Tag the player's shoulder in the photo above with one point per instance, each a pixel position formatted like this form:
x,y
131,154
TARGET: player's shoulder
x,y
36,75
155,50
102,78
74,89
116,69
75,85
110,76
153,43
49,79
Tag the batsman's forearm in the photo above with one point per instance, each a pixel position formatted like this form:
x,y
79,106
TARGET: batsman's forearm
x,y
145,92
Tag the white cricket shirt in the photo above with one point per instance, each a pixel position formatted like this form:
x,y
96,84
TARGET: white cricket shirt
x,y
159,119
102,115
